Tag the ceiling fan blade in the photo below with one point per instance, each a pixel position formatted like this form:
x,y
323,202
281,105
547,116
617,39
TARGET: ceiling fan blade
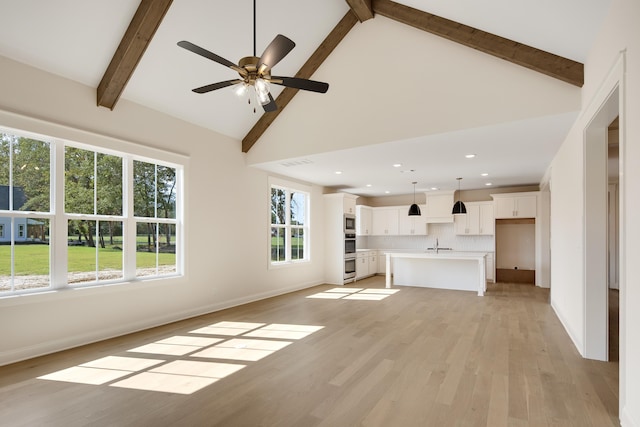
x,y
210,55
277,49
304,84
215,86
271,105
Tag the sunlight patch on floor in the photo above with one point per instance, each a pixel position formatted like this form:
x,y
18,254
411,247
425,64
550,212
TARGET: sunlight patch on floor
x,y
228,328
180,376
101,371
372,294
177,371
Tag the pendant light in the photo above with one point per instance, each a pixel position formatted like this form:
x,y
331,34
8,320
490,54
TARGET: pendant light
x,y
459,208
414,210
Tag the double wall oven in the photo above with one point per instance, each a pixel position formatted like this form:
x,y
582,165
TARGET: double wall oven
x,y
349,246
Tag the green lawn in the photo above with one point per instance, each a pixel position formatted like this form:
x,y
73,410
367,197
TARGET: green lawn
x,y
34,259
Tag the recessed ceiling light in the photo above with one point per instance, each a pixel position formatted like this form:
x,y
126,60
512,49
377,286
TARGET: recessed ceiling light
x,y
397,165
488,184
338,172
434,188
368,185
470,156
484,174
387,192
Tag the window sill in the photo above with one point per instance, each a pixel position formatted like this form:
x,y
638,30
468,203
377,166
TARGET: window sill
x,y
84,291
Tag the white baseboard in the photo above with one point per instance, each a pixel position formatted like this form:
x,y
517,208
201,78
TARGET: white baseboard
x,y
569,331
17,355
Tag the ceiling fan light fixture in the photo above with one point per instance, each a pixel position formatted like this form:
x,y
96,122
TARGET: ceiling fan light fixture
x,y
242,89
262,90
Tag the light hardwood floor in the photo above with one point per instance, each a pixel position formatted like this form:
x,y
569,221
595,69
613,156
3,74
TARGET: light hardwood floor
x,y
419,357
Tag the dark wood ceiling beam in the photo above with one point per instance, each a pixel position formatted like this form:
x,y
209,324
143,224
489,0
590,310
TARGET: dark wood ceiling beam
x,y
306,71
362,9
547,63
143,26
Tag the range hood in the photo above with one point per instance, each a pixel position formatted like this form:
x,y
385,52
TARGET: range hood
x,y
439,206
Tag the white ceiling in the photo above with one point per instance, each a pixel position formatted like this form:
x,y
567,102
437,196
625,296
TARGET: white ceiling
x,y
77,38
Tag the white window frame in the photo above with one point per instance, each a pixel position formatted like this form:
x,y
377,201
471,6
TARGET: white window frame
x,y
289,188
58,218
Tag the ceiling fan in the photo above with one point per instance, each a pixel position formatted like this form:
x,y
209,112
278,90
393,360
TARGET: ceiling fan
x,y
255,72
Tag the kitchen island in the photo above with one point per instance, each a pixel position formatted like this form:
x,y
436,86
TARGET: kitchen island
x,y
443,270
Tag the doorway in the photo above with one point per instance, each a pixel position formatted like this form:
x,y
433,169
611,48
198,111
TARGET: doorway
x,y
613,237
597,230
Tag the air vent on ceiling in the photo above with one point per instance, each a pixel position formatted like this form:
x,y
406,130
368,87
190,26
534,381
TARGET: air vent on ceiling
x,y
296,163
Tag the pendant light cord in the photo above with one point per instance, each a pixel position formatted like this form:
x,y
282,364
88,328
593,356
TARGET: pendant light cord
x,y
254,27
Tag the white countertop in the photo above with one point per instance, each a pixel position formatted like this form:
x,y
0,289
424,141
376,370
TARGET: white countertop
x,y
440,254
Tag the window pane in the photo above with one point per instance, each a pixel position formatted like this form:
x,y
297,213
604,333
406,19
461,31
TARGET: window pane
x,y
144,190
166,192
31,176
110,250
146,256
277,244
297,243
278,203
31,254
166,249
81,251
79,191
109,184
298,208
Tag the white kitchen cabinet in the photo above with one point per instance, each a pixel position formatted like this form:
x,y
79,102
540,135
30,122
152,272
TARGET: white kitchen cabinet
x,y
385,221
479,220
439,206
514,205
363,220
362,265
366,264
373,263
349,203
487,219
411,225
334,205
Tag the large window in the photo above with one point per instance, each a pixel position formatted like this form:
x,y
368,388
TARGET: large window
x,y
103,216
289,232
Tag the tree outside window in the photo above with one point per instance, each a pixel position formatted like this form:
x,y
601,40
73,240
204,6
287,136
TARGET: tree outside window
x,y
155,207
289,225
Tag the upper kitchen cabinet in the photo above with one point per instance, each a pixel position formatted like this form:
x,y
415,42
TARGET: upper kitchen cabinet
x,y
411,225
349,203
364,220
439,206
515,205
385,221
479,220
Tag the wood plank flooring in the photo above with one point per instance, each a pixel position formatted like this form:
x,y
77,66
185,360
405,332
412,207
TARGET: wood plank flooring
x,y
418,357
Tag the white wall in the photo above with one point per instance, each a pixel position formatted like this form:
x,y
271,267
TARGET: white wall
x,y
440,96
226,222
620,32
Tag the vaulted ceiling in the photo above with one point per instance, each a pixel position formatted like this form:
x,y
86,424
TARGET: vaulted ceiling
x,y
398,94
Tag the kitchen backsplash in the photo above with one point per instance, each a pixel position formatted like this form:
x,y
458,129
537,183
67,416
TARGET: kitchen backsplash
x,y
443,232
